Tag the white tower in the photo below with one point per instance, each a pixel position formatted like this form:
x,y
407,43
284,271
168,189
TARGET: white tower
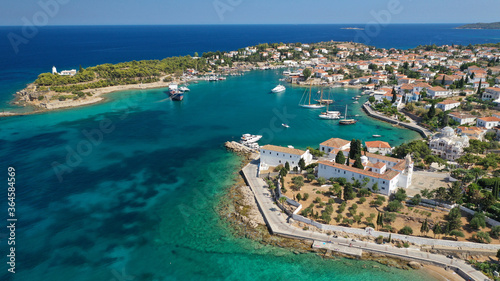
x,y
54,70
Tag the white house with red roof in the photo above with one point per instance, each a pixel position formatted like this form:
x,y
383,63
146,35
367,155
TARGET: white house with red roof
x,y
438,92
386,172
462,118
448,105
381,147
488,122
272,156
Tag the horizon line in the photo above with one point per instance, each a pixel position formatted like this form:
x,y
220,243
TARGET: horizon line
x,y
225,24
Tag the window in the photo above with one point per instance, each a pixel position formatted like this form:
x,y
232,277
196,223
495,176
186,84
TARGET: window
x,y
290,156
280,161
344,172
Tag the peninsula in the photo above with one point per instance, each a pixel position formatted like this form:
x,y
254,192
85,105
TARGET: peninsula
x,y
492,25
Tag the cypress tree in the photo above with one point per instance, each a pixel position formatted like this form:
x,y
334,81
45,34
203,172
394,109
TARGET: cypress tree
x,y
340,158
394,95
479,88
358,164
444,80
495,189
353,151
432,111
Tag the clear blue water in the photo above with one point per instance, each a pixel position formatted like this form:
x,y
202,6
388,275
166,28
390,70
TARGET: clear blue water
x,y
139,202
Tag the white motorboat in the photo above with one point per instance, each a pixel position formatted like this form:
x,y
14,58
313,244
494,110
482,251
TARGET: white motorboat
x,y
278,89
285,125
248,138
184,89
376,136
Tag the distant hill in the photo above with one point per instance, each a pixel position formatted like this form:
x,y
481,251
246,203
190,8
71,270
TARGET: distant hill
x,y
493,25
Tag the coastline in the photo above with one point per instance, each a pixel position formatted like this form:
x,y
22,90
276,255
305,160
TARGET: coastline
x,y
245,219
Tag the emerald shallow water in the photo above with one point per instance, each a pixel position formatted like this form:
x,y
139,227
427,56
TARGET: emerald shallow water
x,y
141,202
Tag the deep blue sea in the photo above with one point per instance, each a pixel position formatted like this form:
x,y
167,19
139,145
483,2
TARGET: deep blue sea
x,y
138,200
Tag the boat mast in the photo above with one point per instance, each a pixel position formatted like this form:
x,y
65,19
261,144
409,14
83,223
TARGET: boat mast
x,y
345,116
310,87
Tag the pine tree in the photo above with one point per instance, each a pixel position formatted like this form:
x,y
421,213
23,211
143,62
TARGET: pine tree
x,y
437,229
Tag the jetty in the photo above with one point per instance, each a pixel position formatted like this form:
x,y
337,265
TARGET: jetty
x,y
412,125
278,224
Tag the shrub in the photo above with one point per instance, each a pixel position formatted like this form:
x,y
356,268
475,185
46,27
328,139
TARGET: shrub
x,y
394,206
306,196
406,244
482,237
362,200
379,240
406,230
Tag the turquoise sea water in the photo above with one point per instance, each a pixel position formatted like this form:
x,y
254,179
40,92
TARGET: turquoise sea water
x,y
138,200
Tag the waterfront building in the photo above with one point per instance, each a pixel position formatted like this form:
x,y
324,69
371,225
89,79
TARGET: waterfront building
x,y
387,173
272,156
334,144
381,147
448,145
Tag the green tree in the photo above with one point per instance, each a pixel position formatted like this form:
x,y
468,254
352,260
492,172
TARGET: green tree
x,y
482,237
310,177
358,164
394,206
340,158
425,227
287,166
406,230
349,192
455,192
432,112
321,181
400,195
457,233
415,200
394,95
302,164
306,196
299,197
495,231
454,218
380,220
437,230
307,73
371,99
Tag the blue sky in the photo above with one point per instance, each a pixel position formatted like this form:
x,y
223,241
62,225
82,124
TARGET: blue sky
x,y
118,12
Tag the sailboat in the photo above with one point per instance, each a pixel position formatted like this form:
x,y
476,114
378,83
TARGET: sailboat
x,y
322,100
308,100
346,121
331,115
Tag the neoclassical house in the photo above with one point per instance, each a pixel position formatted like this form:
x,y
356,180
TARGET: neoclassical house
x,y
272,156
448,145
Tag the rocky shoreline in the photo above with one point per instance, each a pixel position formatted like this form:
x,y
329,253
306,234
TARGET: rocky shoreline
x,y
240,211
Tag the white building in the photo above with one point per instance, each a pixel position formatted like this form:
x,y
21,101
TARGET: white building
x,y
438,92
491,93
334,144
462,118
488,122
448,105
387,172
448,145
381,147
272,156
71,72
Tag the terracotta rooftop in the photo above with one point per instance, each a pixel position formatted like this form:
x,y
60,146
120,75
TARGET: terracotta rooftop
x,y
335,142
377,144
490,119
389,175
282,149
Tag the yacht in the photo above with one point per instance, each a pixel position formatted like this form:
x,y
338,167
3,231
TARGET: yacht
x,y
305,101
248,138
184,89
278,89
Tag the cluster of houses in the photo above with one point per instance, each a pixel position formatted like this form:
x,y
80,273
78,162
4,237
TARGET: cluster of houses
x,y
386,173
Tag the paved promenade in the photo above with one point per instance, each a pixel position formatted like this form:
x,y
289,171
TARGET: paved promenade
x,y
277,223
412,125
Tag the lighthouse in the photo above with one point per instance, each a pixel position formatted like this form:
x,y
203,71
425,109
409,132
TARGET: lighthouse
x,y
54,70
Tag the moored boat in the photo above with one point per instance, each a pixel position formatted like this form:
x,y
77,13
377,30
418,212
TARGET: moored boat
x,y
346,121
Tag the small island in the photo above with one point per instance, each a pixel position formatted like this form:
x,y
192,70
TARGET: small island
x,y
493,25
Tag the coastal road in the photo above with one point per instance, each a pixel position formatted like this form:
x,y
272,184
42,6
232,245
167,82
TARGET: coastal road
x,y
277,222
